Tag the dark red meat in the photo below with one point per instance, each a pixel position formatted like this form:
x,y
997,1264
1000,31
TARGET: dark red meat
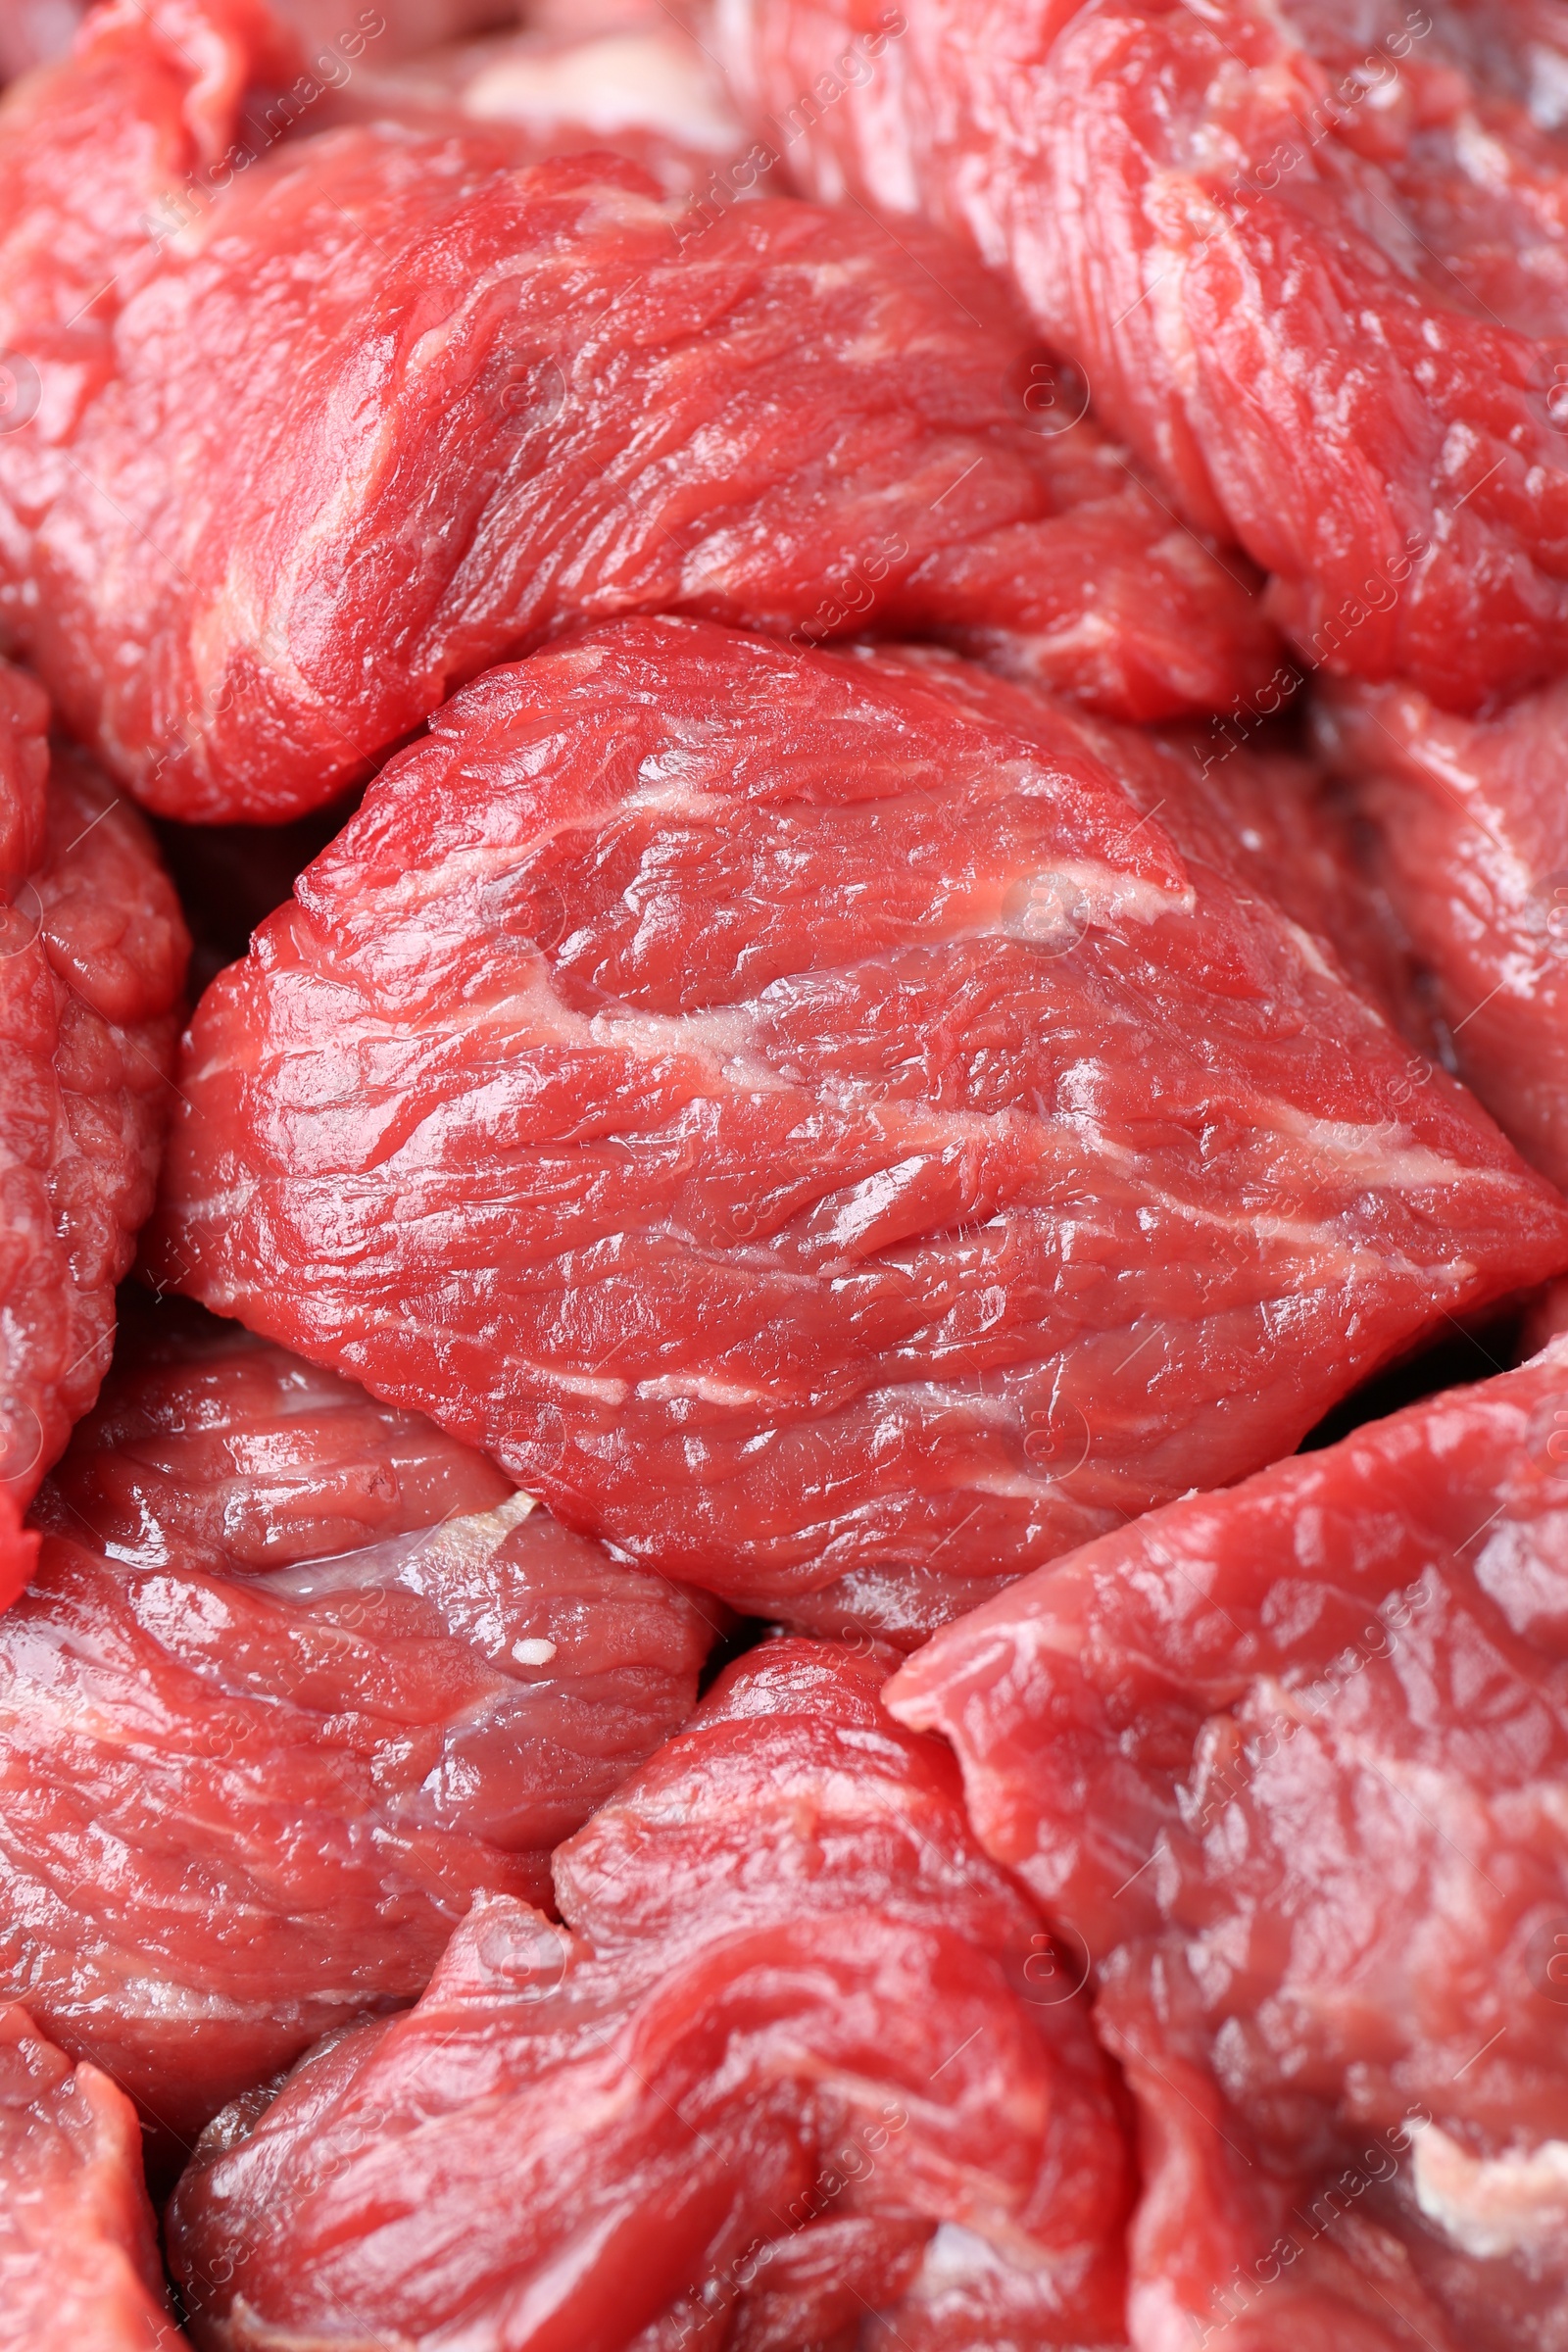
x,y
1287,1765
78,2250
799,2071
814,1125
92,962
297,1677
230,877
310,441
1312,259
18,1550
1471,819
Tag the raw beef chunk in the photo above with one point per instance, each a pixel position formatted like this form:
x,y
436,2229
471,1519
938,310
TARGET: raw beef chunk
x,y
297,1677
799,2057
1471,821
78,2249
812,1125
311,441
1285,1765
1312,259
93,962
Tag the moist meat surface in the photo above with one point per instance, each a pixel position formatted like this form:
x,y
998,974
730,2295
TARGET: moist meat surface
x,y
93,962
799,2068
297,1676
1312,259
316,440
1285,1768
78,2245
1470,818
814,1126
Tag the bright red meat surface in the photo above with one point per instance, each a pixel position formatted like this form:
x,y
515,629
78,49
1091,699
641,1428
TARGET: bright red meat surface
x,y
307,443
812,1124
92,963
1286,828
78,2247
1286,1767
800,2070
1471,820
1312,260
297,1677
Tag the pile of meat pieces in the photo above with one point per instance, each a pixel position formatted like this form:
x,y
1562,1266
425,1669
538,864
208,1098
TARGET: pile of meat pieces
x,y
843,732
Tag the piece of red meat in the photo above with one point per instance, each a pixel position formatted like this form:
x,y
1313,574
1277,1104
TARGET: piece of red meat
x,y
319,438
1286,1767
816,1127
79,2246
1312,260
800,2070
1471,823
298,1676
92,964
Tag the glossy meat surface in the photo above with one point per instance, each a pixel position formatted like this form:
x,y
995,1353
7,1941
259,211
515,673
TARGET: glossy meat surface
x,y
814,1126
92,963
313,439
297,1677
1470,823
78,2247
1288,828
800,2069
1312,259
1284,1766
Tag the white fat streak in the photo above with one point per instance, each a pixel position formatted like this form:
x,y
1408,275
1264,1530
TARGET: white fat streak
x,y
475,1537
620,82
1491,2206
1377,1154
705,1390
469,1540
